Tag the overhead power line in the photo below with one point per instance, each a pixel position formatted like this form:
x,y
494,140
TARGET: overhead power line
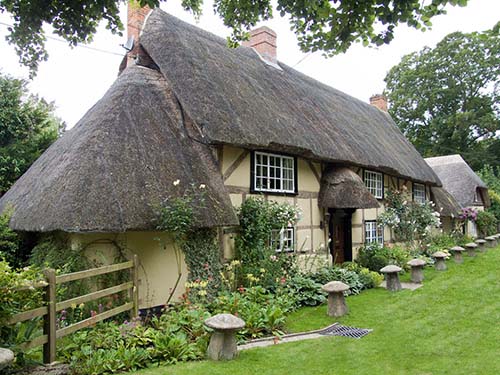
x,y
77,46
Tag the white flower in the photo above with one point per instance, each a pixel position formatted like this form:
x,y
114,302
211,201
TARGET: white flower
x,y
177,182
203,186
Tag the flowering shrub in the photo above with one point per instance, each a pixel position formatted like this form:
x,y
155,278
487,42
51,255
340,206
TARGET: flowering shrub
x,y
410,221
468,213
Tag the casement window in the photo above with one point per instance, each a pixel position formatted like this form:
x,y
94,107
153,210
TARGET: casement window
x,y
274,173
374,182
283,240
374,232
419,193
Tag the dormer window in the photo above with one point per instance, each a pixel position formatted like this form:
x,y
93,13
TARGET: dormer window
x,y
274,173
374,182
477,197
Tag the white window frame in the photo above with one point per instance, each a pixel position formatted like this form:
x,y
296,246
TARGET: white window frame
x,y
285,180
373,232
374,182
419,194
283,240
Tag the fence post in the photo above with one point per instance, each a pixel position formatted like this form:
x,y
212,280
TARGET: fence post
x,y
49,324
134,293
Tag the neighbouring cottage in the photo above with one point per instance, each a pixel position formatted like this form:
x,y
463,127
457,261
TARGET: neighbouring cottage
x,y
186,107
462,188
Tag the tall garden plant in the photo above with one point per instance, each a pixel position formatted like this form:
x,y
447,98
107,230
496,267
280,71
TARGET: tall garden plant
x,y
258,219
410,221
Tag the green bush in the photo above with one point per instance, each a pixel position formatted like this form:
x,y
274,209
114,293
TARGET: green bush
x,y
258,218
374,256
176,336
486,223
9,240
18,295
262,311
369,279
306,291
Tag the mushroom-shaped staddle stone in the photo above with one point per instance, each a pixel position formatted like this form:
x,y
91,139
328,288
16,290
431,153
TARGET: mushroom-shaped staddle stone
x,y
440,256
491,241
481,244
223,340
417,270
457,254
336,300
471,248
392,277
6,358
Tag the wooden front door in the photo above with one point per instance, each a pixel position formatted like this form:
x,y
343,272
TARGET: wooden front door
x,y
340,235
338,241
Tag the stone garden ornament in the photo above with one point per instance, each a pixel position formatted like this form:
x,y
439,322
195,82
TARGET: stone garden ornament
x,y
417,270
392,277
223,344
440,257
336,300
457,253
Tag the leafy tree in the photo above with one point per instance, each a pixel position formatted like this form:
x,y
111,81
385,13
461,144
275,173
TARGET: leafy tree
x,y
27,127
491,177
328,25
447,99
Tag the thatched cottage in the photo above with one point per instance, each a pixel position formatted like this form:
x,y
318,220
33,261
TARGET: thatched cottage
x,y
186,107
462,184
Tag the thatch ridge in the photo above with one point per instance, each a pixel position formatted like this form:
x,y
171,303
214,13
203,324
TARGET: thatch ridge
x,y
343,188
112,170
459,179
241,101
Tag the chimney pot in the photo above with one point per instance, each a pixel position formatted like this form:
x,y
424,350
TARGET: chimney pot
x,y
263,40
379,101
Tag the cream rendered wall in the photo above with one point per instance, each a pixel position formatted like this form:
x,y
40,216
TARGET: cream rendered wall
x,y
235,167
158,269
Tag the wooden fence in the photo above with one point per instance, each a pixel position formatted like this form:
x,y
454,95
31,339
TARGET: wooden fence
x,y
50,331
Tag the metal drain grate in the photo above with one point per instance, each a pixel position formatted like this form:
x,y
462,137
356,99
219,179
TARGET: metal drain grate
x,y
340,330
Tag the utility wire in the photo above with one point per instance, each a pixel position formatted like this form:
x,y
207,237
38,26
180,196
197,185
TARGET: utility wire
x,y
77,46
302,59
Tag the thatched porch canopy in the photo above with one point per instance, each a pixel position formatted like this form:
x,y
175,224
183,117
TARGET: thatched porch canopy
x,y
240,100
446,205
460,180
113,169
343,188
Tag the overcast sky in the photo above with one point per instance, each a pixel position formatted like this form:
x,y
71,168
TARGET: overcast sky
x,y
76,78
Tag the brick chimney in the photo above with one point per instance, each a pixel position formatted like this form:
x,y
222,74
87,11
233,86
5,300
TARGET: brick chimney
x,y
263,40
379,101
136,15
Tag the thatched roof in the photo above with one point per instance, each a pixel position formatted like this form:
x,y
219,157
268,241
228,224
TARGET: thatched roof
x,y
111,171
459,179
446,205
343,188
154,127
239,100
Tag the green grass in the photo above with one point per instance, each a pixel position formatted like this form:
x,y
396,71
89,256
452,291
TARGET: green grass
x,y
449,326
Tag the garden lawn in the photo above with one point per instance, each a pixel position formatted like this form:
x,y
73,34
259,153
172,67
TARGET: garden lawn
x,y
449,326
